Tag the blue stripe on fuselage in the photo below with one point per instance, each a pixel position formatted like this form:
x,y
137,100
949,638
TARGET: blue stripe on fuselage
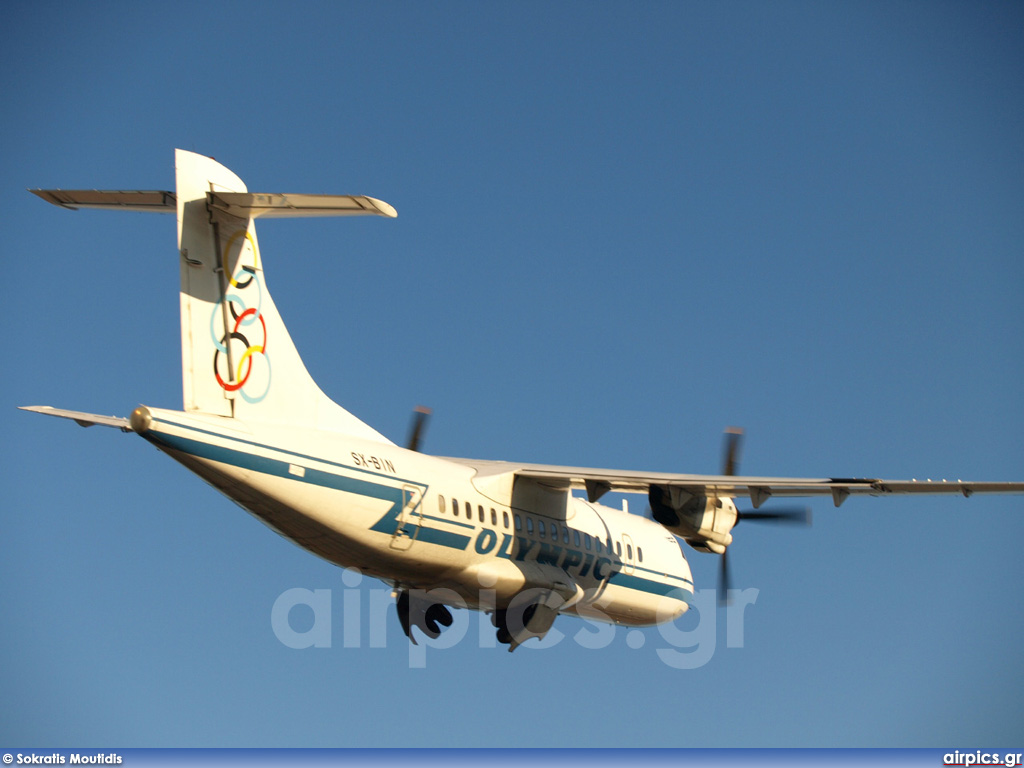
x,y
388,523
640,584
277,467
280,468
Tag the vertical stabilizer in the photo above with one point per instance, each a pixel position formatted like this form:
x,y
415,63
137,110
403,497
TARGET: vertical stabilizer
x,y
238,359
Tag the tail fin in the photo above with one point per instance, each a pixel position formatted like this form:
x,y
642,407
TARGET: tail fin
x,y
238,359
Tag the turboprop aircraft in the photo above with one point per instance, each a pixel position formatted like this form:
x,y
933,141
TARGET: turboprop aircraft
x,y
507,538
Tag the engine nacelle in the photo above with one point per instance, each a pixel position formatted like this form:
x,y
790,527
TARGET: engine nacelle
x,y
704,522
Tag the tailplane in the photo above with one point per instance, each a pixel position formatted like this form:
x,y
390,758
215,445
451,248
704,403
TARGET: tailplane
x,y
238,359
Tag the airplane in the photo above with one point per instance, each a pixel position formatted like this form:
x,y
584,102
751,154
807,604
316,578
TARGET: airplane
x,y
510,539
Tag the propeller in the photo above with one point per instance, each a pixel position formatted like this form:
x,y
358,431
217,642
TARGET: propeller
x,y
731,458
420,417
790,516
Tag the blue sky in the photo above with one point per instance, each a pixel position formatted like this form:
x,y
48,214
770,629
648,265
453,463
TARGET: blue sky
x,y
621,229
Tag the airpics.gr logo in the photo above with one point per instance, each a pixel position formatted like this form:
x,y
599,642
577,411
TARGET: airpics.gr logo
x,y
240,361
982,758
305,618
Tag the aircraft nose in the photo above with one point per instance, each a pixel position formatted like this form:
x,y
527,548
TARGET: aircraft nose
x,y
687,574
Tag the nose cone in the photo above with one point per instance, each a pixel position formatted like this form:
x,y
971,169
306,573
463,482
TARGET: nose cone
x,y
684,572
141,420
673,605
680,609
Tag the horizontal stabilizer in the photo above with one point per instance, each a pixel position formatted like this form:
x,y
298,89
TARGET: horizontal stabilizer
x,y
121,200
244,205
82,419
262,205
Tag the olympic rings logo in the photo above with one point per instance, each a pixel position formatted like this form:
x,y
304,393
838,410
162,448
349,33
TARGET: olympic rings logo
x,y
247,339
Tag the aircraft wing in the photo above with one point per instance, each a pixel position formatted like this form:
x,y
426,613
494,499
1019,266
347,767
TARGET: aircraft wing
x,y
597,482
82,419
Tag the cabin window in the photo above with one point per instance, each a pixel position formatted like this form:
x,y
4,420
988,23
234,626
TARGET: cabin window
x,y
565,535
455,507
597,546
529,525
504,518
576,537
554,531
494,517
480,513
629,551
440,503
640,554
586,540
618,548
519,523
469,511
540,528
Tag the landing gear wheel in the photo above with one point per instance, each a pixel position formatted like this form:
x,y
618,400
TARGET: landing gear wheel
x,y
402,606
436,614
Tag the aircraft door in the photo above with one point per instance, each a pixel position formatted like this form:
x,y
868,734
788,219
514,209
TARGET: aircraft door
x,y
410,517
628,554
603,564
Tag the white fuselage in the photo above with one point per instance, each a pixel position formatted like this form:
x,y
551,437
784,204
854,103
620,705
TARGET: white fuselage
x,y
421,522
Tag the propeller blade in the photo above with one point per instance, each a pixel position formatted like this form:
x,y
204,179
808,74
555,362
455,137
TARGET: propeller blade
x,y
724,580
733,443
791,516
420,417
